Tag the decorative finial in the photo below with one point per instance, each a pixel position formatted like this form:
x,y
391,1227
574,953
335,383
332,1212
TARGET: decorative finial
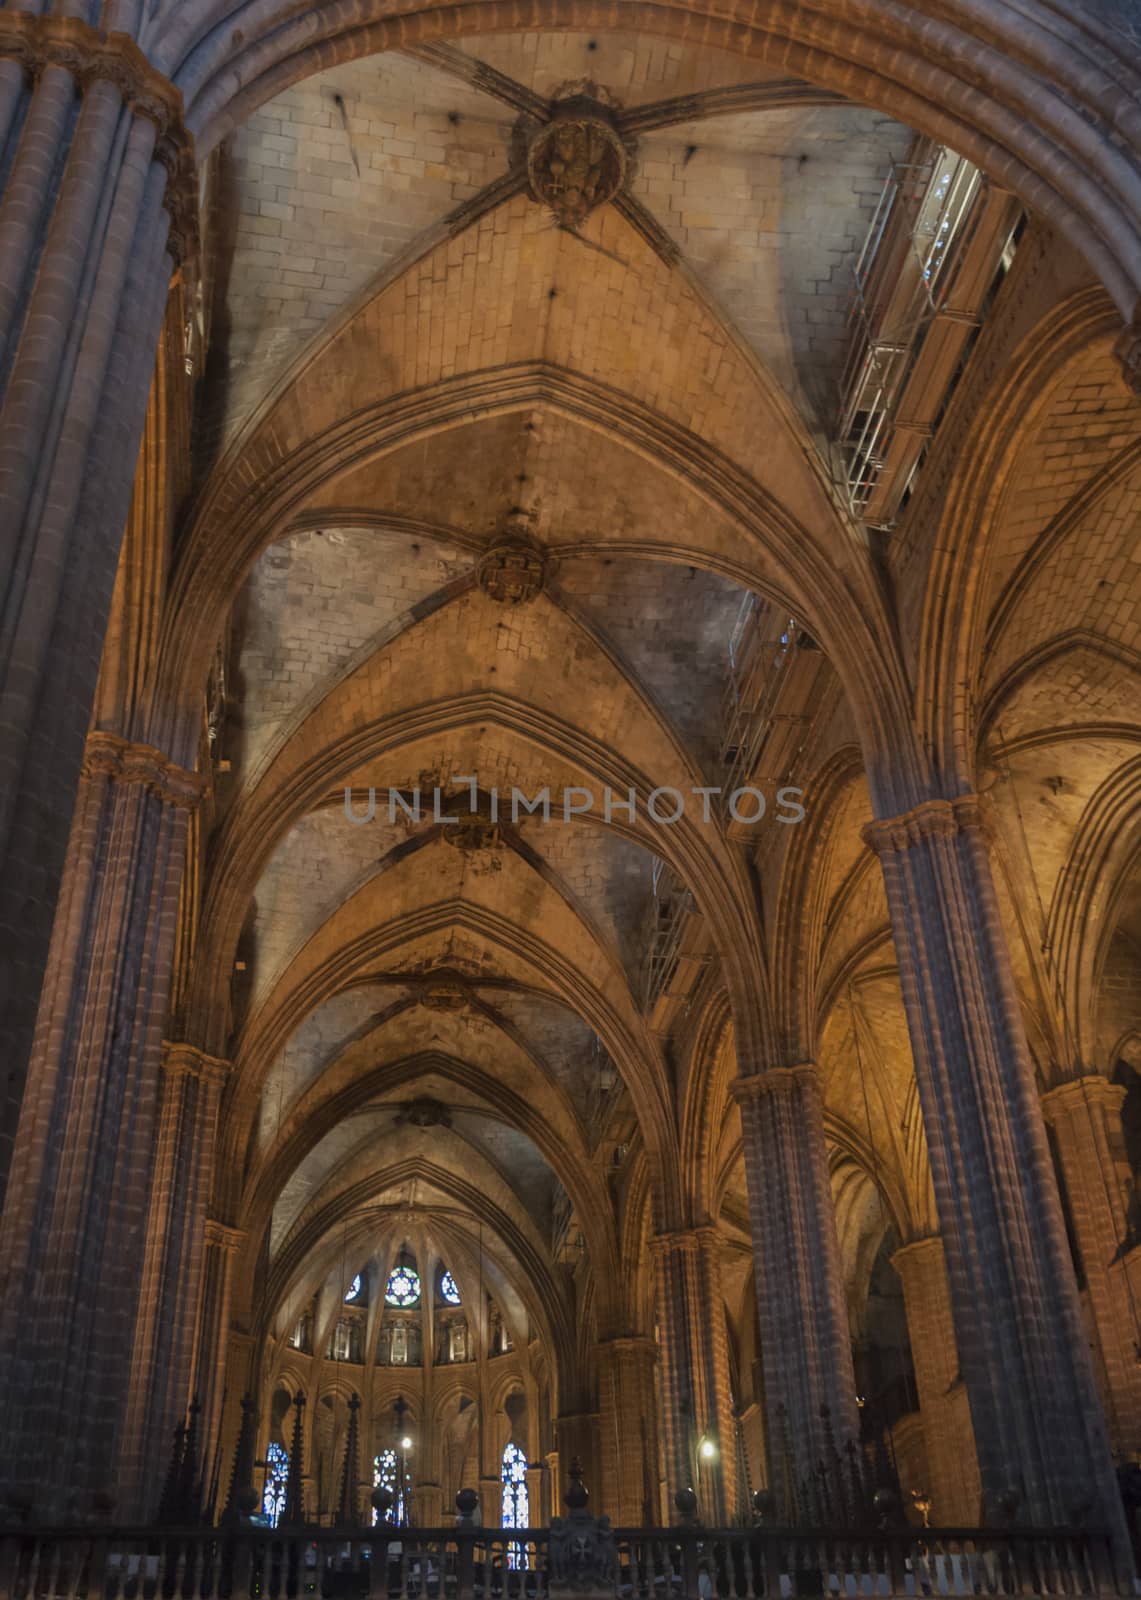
x,y
686,1502
577,1494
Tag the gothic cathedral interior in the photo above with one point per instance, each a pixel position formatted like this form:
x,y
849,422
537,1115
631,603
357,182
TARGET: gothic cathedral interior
x,y
689,1089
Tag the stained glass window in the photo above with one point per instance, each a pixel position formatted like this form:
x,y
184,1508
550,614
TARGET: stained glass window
x,y
276,1474
403,1286
386,1475
516,1511
354,1290
449,1290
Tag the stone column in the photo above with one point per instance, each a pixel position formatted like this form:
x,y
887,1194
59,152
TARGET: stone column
x,y
221,1245
1038,1423
1086,1117
552,1496
754,1448
166,1324
535,1475
73,1241
675,1379
95,161
952,1465
628,1433
696,1405
490,1501
427,1505
806,1345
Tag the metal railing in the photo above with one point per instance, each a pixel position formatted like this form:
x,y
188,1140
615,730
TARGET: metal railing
x,y
669,910
762,650
465,1563
899,282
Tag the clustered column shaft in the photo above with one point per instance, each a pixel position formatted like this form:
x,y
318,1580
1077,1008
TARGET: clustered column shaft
x,y
163,1344
74,1233
696,1403
91,136
952,1466
805,1340
629,1436
1037,1421
1086,1117
212,1347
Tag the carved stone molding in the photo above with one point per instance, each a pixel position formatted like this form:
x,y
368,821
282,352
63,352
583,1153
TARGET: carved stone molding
x,y
577,161
443,996
931,1244
777,1080
106,755
687,1239
513,571
222,1237
94,56
181,198
186,1060
933,819
424,1112
634,1343
583,1554
1083,1094
472,826
478,834
1127,349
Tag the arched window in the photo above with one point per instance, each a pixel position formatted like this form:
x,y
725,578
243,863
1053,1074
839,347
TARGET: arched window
x,y
387,1474
449,1290
403,1286
513,1474
345,1343
354,1290
276,1474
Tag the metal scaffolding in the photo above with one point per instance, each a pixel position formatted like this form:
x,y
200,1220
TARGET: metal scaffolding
x,y
902,277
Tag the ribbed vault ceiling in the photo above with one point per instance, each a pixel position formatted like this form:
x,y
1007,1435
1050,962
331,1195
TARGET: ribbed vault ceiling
x,y
647,402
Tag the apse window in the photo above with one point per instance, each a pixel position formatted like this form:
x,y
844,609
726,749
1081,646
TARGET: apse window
x,y
276,1477
385,1475
516,1503
403,1287
355,1290
449,1290
516,1510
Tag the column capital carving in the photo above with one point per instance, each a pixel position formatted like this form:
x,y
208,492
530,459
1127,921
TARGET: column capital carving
x,y
223,1237
186,1060
107,755
632,1343
92,55
776,1080
931,819
1083,1093
927,1248
690,1239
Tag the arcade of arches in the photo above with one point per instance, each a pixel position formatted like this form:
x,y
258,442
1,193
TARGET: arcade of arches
x,y
630,404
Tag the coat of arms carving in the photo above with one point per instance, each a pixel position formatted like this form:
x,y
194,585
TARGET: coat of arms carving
x,y
583,1554
576,162
512,572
